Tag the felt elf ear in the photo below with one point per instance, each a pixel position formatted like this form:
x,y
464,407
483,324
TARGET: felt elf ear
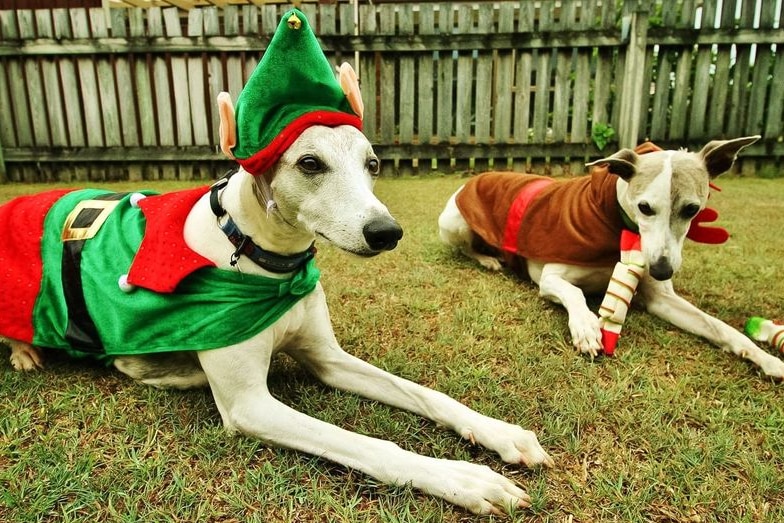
x,y
228,125
350,86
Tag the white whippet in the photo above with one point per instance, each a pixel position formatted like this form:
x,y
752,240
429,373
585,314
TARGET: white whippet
x,y
322,187
661,192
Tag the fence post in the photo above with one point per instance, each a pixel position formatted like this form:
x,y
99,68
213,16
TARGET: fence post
x,y
355,5
3,175
634,30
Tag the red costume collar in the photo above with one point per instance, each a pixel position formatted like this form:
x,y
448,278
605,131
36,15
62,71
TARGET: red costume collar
x,y
163,258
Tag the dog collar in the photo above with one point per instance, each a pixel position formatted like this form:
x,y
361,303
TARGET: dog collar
x,y
628,222
268,260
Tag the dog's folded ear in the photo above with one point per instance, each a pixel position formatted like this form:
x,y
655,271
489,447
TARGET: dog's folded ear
x,y
623,163
719,155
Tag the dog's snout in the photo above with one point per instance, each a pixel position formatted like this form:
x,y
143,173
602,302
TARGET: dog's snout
x,y
382,234
661,269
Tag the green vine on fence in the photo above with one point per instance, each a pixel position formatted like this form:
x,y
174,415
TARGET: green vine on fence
x,y
602,134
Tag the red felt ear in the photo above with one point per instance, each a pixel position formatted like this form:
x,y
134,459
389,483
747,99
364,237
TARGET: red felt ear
x,y
711,235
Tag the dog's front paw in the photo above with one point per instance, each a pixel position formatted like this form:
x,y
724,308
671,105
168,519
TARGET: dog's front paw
x,y
488,262
474,487
513,443
586,333
25,357
773,367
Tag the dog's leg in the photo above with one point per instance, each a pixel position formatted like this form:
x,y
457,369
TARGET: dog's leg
x,y
24,356
339,369
237,377
178,370
554,285
319,351
661,300
454,231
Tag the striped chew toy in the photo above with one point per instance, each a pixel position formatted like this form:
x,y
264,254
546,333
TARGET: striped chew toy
x,y
761,329
620,291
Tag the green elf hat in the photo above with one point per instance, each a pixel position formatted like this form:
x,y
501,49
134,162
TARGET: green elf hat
x,y
292,88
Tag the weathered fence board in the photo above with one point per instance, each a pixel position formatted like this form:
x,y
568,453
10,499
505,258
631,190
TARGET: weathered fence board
x,y
661,97
407,81
368,76
465,81
541,94
775,124
125,88
503,90
452,85
561,90
387,75
7,135
51,82
739,93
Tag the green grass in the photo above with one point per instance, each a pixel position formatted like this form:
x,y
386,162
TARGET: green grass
x,y
670,430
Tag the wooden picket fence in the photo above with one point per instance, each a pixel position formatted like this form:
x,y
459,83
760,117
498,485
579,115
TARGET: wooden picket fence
x,y
129,93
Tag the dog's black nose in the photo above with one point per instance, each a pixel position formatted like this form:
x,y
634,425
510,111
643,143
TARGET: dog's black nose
x,y
382,234
661,269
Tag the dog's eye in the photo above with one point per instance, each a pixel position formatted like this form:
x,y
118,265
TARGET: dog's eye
x,y
646,209
690,211
310,164
373,166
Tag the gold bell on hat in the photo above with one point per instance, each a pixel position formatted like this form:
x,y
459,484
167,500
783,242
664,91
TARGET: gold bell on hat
x,y
294,22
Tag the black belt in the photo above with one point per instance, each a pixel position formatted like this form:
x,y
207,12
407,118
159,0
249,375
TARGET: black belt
x,y
81,332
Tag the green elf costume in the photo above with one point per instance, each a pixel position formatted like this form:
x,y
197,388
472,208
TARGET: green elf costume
x,y
104,274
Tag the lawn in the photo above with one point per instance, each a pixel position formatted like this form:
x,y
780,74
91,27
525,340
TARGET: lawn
x,y
669,430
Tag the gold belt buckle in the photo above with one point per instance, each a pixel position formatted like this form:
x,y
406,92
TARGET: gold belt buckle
x,y
84,221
